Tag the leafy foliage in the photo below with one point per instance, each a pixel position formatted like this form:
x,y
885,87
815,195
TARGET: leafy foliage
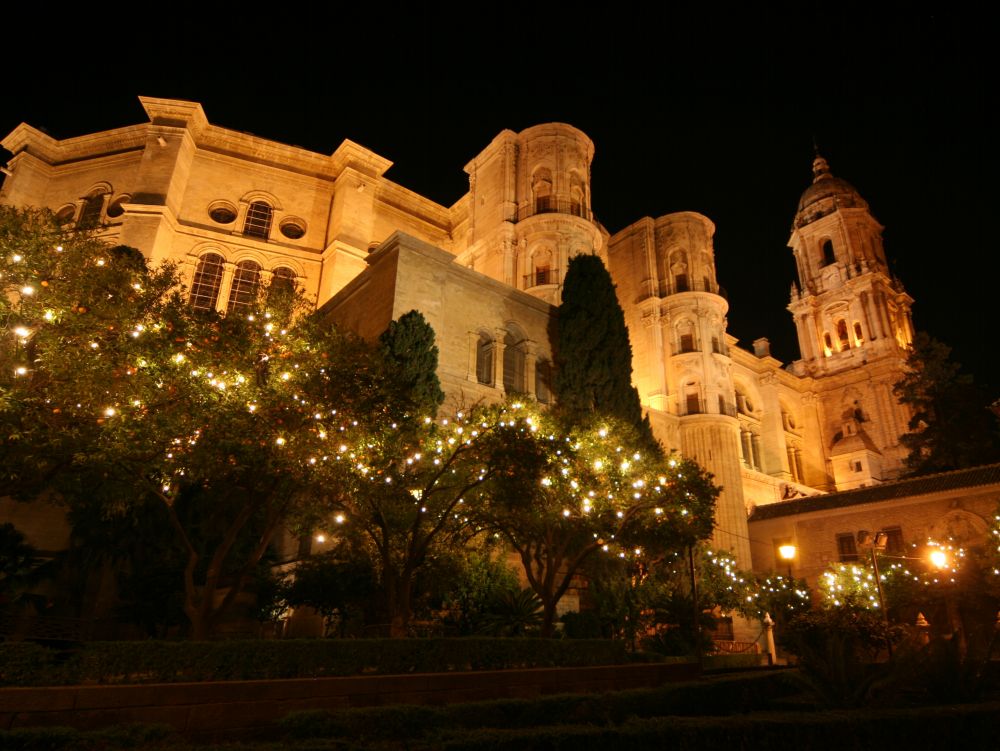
x,y
593,355
412,359
593,490
408,494
20,567
951,426
836,649
121,394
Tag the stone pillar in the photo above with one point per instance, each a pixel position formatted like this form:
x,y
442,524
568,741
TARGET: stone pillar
x,y
226,286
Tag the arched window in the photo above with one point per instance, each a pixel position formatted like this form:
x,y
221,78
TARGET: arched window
x,y
692,399
207,280
543,381
90,214
828,255
845,341
513,363
117,208
484,360
679,271
541,272
282,280
246,282
541,187
859,336
258,221
686,337
576,195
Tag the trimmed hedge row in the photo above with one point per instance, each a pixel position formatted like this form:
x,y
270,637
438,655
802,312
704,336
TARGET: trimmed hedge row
x,y
717,696
976,726
26,664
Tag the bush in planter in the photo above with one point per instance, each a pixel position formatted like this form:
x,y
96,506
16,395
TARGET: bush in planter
x,y
837,651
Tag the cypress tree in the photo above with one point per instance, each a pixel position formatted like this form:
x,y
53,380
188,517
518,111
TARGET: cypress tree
x,y
409,350
593,355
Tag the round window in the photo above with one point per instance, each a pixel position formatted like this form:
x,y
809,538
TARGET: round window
x,y
222,213
117,208
65,214
293,230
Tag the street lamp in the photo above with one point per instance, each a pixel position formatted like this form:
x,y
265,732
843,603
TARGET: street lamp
x,y
787,553
878,545
939,558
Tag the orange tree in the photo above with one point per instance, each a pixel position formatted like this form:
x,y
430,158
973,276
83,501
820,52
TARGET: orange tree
x,y
113,391
412,490
592,490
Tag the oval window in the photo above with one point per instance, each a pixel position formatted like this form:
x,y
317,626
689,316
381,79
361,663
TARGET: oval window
x,y
117,208
293,230
65,214
222,214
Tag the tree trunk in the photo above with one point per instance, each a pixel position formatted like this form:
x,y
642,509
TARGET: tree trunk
x,y
399,589
549,616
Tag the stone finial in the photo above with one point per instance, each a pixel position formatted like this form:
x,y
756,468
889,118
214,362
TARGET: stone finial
x,y
820,168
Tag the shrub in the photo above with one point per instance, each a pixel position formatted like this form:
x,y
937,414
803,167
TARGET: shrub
x,y
159,661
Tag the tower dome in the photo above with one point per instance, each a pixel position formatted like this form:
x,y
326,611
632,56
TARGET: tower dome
x,y
826,194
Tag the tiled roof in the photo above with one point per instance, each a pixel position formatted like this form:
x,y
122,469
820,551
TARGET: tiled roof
x,y
914,486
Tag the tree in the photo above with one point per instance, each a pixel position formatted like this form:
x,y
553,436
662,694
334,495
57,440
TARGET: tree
x,y
951,426
593,355
115,391
410,491
412,359
596,489
21,568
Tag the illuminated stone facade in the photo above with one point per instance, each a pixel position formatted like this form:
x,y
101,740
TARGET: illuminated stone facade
x,y
236,210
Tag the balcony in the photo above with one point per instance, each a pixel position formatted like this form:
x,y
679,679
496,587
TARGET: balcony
x,y
682,285
551,205
538,277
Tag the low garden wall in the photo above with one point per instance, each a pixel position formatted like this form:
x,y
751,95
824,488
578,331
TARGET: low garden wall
x,y
239,707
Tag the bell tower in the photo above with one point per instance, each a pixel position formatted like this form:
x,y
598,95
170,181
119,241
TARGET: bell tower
x,y
854,328
529,208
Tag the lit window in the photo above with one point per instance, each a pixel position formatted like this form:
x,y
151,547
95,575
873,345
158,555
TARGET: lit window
x,y
207,280
845,343
246,282
258,221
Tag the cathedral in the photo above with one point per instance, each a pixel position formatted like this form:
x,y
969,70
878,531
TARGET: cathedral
x,y
235,211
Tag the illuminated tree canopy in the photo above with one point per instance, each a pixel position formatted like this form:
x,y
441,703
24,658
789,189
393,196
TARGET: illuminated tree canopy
x,y
112,389
594,490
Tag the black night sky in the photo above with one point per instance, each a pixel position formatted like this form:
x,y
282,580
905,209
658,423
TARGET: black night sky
x,y
705,110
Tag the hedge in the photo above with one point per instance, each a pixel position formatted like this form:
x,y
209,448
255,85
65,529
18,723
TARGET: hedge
x,y
722,695
26,664
975,726
971,726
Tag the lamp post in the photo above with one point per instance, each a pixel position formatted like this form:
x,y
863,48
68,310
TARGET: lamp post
x,y
939,559
787,553
878,545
